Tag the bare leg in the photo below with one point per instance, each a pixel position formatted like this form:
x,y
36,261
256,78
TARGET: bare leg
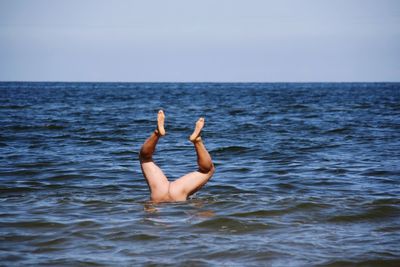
x,y
190,183
155,178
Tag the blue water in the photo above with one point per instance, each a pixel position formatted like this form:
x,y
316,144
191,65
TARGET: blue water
x,y
306,174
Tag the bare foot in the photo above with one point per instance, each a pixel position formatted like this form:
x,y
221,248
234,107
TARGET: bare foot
x,y
160,123
197,130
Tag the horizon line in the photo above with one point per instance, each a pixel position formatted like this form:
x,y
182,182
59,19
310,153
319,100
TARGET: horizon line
x,y
50,81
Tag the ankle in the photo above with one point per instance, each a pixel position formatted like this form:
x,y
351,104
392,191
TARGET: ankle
x,y
197,140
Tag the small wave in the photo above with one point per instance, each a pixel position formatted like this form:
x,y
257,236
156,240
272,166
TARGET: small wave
x,y
280,172
378,262
46,250
339,130
38,164
379,173
54,127
24,128
362,106
234,149
227,189
96,140
389,229
63,136
178,129
12,237
298,106
241,170
142,121
260,213
311,148
386,201
246,127
277,212
14,106
86,224
62,177
285,186
119,131
237,111
113,187
123,153
72,262
232,225
21,189
311,116
22,172
311,206
95,203
124,236
317,147
377,213
51,242
331,170
33,224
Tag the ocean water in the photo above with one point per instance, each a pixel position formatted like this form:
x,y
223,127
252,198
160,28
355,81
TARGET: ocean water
x,y
306,174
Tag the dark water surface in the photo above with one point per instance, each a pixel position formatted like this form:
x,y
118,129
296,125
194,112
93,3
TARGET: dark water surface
x,y
306,175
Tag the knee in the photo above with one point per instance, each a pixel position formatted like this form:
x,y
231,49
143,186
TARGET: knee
x,y
208,169
144,157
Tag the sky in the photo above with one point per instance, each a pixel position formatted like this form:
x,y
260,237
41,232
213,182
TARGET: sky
x,y
200,41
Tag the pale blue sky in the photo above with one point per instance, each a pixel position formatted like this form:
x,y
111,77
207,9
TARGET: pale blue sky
x,y
207,40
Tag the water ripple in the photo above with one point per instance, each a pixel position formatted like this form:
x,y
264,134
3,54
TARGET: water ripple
x,y
306,174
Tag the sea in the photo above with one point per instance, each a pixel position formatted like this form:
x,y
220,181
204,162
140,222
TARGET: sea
x,y
307,174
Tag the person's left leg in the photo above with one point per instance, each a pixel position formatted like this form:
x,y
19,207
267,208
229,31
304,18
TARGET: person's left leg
x,y
190,183
155,178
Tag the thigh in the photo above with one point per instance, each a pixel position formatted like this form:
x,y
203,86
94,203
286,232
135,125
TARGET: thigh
x,y
155,178
189,183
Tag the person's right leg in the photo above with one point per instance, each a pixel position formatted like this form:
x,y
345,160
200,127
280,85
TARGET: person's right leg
x,y
190,183
155,178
